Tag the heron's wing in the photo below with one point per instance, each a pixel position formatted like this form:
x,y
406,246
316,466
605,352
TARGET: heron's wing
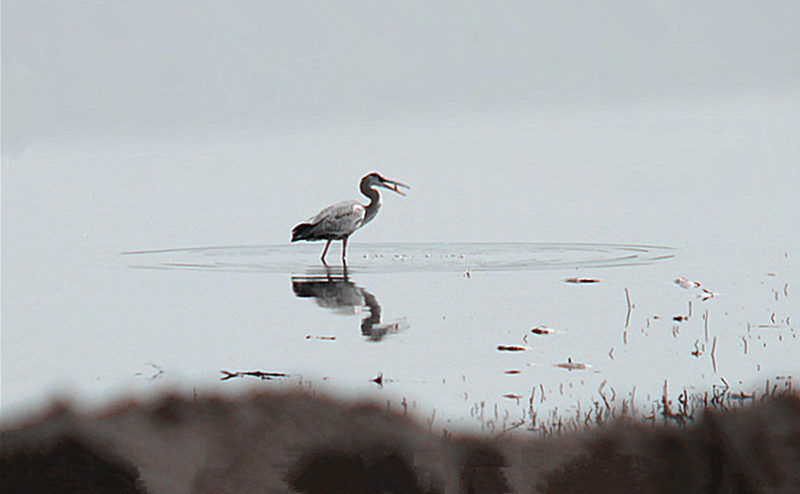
x,y
342,218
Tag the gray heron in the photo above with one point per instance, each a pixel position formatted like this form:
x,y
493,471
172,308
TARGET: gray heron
x,y
339,221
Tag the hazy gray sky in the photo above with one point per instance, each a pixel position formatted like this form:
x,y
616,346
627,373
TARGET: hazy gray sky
x,y
76,68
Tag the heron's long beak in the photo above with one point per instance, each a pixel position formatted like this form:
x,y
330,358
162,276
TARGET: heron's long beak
x,y
394,186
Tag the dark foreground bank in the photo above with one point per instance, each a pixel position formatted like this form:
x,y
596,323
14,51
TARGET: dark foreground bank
x,y
298,443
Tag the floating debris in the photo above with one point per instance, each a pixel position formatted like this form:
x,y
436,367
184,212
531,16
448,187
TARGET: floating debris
x,y
512,396
159,371
686,283
264,376
583,280
539,331
570,365
680,318
326,338
511,348
707,294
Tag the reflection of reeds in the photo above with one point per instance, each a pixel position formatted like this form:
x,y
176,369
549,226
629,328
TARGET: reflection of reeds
x,y
713,354
630,307
678,410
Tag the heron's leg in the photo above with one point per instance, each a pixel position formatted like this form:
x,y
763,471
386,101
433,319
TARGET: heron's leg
x,y
325,252
344,249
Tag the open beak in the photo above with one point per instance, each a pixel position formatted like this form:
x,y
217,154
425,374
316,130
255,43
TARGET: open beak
x,y
395,186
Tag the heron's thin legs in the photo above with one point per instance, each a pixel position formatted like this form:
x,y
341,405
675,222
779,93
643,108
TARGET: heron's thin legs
x,y
344,249
325,252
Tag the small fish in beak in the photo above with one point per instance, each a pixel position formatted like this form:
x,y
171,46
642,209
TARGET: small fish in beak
x,y
395,186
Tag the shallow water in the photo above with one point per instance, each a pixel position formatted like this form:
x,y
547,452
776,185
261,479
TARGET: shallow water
x,y
445,327
147,266
448,327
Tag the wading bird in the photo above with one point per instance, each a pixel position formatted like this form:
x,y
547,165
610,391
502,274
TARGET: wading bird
x,y
340,220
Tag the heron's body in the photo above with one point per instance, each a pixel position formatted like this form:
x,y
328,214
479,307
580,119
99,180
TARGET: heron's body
x,y
335,222
339,221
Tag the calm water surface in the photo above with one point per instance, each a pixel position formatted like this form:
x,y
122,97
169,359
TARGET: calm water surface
x,y
147,266
428,318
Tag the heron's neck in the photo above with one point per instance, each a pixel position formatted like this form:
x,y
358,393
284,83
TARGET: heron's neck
x,y
374,202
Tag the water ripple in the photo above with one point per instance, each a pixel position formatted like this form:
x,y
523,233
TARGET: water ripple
x,y
401,257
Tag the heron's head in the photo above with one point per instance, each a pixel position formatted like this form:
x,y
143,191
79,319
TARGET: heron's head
x,y
376,179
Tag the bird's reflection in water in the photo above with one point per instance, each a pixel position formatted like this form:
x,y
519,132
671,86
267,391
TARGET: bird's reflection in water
x,y
334,290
